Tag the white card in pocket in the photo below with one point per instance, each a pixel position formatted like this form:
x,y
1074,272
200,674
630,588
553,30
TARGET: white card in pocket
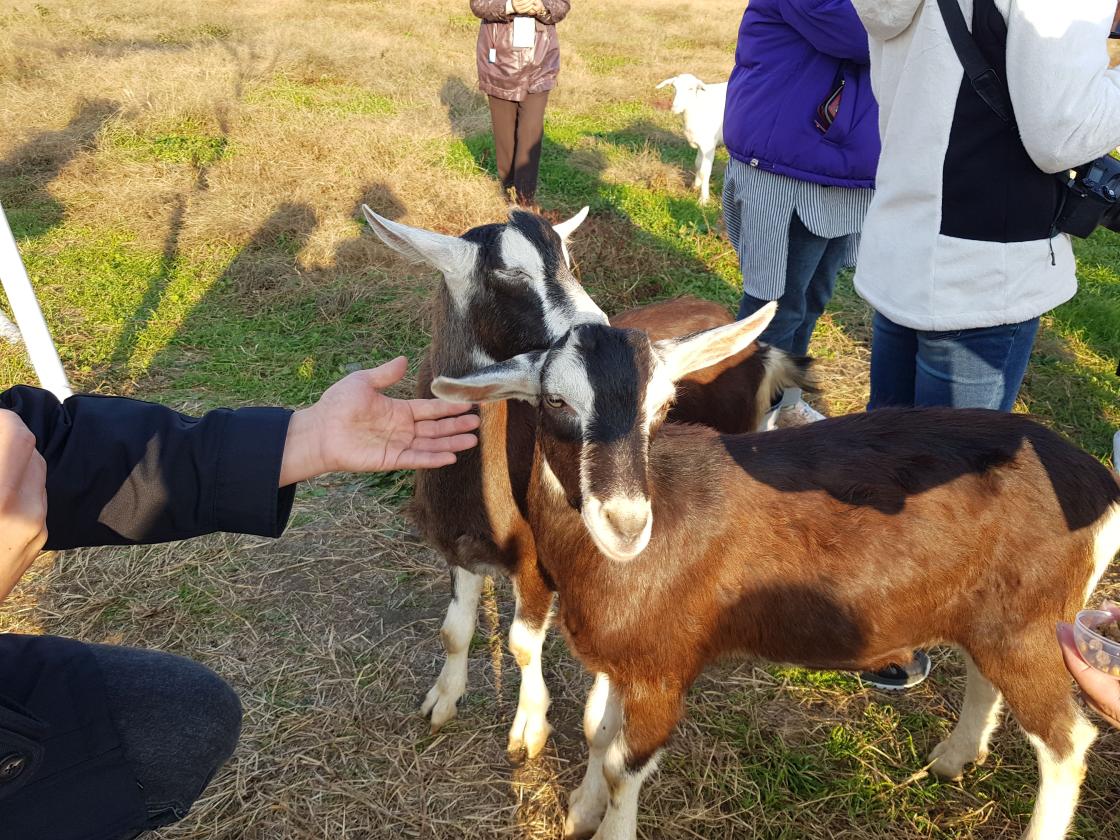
x,y
524,32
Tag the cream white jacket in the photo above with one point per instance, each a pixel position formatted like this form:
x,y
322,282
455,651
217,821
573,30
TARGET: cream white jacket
x,y
1067,104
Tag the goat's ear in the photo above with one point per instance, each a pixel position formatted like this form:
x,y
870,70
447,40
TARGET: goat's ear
x,y
565,229
518,378
452,256
666,83
694,352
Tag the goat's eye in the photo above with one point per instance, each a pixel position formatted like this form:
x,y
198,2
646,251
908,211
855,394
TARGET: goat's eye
x,y
514,276
555,402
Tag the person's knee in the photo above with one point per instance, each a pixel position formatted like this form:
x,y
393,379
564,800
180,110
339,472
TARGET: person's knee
x,y
179,723
224,715
205,727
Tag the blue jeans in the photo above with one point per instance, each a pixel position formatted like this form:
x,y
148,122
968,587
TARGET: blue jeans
x,y
979,368
811,270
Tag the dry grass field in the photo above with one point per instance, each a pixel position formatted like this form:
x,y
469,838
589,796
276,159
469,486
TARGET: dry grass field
x,y
183,180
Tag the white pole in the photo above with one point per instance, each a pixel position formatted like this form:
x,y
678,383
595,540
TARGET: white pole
x,y
29,317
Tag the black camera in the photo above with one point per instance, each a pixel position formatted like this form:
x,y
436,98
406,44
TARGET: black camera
x,y
1090,198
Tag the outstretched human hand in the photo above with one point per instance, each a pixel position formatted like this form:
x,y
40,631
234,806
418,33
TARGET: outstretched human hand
x,y
23,500
355,428
1101,691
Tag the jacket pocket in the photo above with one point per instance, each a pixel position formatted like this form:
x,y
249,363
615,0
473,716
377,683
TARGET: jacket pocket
x,y
21,747
841,126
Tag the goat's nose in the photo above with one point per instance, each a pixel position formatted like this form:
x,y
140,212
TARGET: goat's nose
x,y
628,517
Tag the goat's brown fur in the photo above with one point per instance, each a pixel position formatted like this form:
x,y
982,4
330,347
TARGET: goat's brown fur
x,y
842,545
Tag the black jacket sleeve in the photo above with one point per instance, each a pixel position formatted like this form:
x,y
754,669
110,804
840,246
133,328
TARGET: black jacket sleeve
x,y
121,471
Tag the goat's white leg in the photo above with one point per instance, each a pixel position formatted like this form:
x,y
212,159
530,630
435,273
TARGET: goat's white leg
x,y
696,179
456,634
9,331
530,728
705,174
621,819
602,720
968,742
1060,782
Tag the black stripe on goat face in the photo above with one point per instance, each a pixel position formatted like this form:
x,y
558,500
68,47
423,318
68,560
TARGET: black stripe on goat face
x,y
602,375
523,296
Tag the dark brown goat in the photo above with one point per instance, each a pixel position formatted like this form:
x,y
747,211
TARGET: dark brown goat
x,y
715,395
507,290
840,545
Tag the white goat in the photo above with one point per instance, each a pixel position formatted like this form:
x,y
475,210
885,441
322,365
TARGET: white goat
x,y
702,107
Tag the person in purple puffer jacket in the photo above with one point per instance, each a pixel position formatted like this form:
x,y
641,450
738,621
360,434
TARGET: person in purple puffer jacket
x,y
801,127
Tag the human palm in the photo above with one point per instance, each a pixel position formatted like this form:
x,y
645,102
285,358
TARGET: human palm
x,y
355,428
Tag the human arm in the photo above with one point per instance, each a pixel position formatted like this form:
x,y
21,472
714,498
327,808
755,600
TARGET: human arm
x,y
494,11
23,500
122,471
831,26
886,19
1100,690
1065,97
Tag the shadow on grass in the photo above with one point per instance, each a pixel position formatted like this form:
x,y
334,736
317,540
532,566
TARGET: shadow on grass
x,y
28,170
271,330
671,148
158,286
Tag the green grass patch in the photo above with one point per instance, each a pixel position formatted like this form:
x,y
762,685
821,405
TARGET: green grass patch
x,y
460,157
603,64
327,95
111,303
806,678
285,348
462,23
185,142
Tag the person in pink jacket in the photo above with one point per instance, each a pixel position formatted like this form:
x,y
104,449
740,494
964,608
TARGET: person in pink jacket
x,y
518,62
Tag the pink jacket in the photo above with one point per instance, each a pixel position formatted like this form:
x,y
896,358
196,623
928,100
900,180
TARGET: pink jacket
x,y
513,73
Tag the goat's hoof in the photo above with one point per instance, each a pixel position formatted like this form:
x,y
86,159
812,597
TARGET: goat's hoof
x,y
528,736
582,822
947,762
439,708
579,832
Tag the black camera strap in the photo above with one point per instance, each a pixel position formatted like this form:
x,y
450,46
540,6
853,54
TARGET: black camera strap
x,y
985,80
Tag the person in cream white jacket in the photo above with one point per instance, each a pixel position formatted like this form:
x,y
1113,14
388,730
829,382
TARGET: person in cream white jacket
x,y
958,248
959,256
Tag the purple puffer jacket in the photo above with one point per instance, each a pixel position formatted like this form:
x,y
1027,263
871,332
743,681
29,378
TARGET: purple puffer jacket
x,y
790,57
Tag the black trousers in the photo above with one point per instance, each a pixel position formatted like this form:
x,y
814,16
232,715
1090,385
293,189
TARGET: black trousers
x,y
104,743
518,131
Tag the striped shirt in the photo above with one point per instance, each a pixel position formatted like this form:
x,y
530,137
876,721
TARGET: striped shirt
x,y
758,207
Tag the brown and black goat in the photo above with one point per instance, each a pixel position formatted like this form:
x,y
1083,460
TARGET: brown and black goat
x,y
508,289
840,545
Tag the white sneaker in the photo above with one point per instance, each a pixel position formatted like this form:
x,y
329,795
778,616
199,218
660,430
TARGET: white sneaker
x,y
799,413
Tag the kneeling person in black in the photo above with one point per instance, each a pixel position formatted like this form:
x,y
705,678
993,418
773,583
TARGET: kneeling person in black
x,y
103,743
